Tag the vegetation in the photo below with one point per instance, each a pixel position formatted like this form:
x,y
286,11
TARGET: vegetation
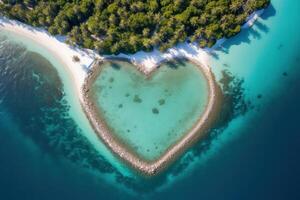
x,y
76,59
114,26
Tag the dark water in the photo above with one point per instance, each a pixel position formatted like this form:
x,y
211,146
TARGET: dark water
x,y
36,132
43,154
264,163
41,147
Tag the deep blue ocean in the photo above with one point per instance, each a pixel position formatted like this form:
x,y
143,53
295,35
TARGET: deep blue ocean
x,y
44,155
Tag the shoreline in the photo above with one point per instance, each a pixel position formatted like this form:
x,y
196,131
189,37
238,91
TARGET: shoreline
x,y
150,168
56,46
146,62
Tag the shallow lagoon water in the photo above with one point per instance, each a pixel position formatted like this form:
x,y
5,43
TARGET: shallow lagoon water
x,y
256,157
149,114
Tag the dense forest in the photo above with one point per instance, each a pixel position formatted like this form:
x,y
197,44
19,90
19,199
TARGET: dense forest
x,y
114,26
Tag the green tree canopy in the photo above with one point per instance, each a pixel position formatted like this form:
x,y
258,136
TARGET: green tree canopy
x,y
114,26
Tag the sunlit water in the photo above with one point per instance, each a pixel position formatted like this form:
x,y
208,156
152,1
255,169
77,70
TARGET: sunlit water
x,y
149,114
49,151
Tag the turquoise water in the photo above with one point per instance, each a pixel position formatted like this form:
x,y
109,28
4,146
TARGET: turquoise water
x,y
262,54
251,155
150,114
69,92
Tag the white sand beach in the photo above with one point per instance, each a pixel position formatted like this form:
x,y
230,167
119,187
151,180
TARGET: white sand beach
x,y
58,47
146,61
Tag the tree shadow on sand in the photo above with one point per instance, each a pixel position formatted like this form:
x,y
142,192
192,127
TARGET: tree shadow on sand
x,y
176,63
245,35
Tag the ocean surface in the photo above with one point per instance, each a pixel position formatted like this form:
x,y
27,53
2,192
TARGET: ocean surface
x,y
49,151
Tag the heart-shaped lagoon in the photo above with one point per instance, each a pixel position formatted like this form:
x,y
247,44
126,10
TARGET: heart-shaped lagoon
x,y
147,116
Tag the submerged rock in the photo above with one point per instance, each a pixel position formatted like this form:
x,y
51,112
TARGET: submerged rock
x,y
161,102
155,111
137,99
111,80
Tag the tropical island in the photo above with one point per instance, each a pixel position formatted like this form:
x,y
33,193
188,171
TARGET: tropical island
x,y
146,34
126,26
